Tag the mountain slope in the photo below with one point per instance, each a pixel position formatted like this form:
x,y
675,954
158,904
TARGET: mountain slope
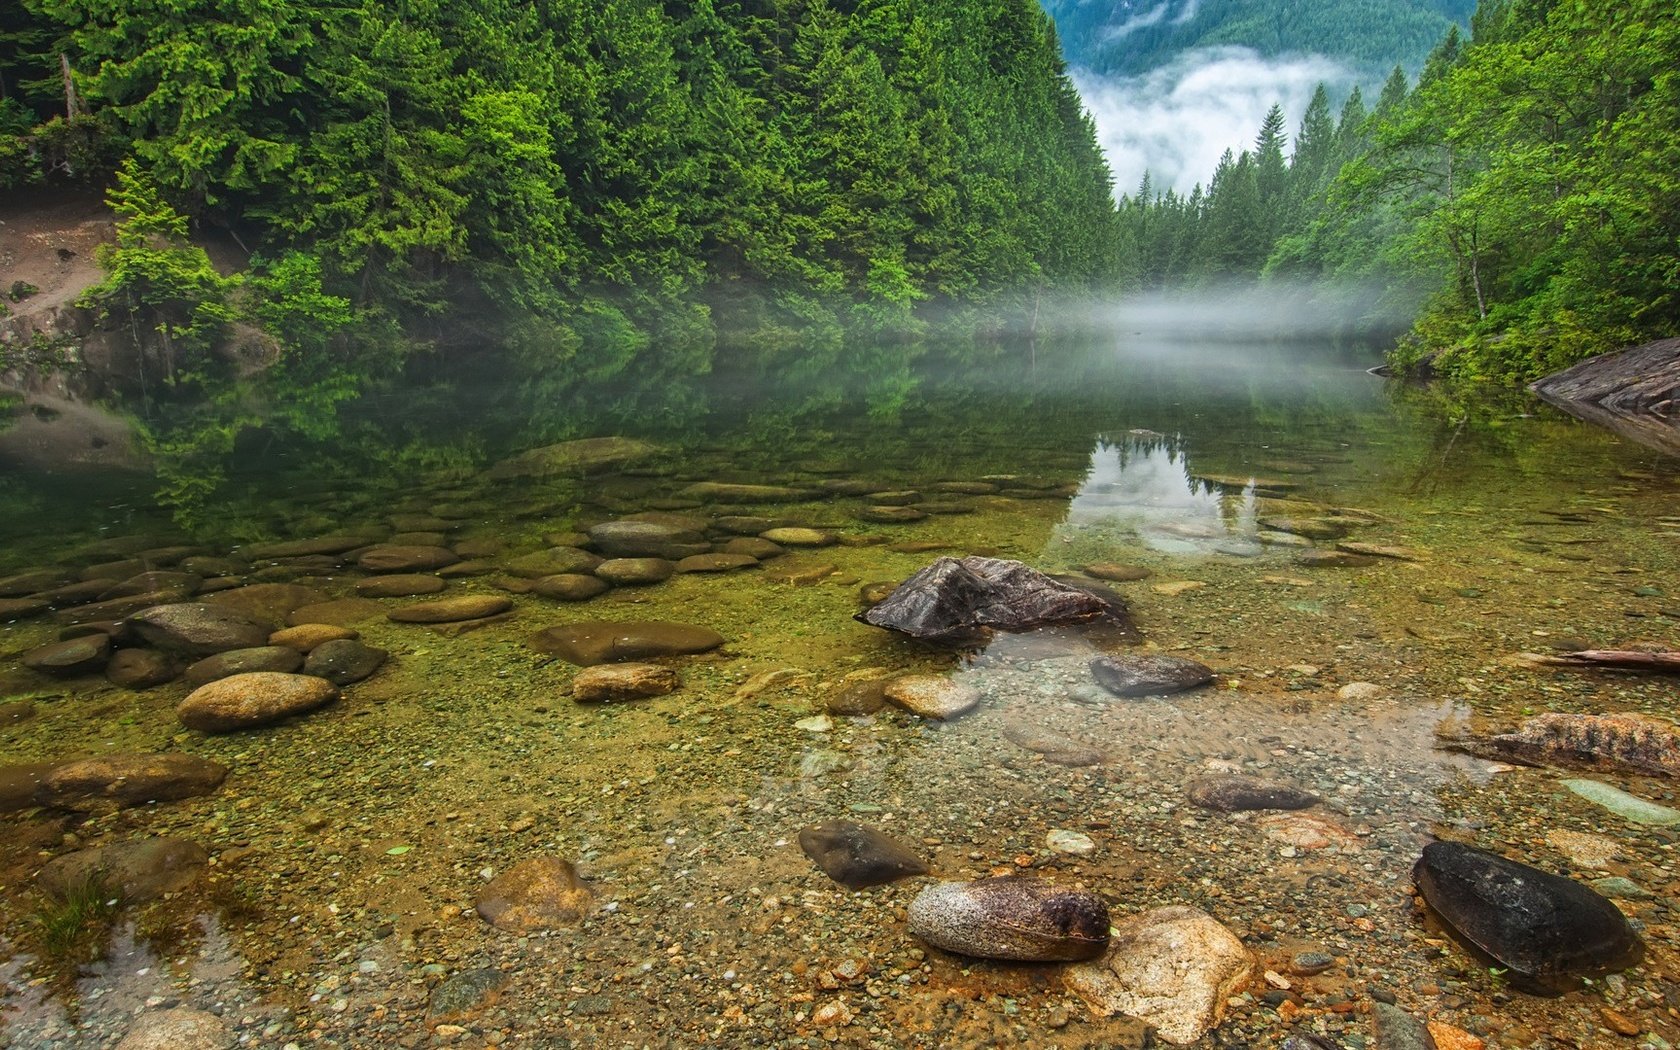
x,y
1129,37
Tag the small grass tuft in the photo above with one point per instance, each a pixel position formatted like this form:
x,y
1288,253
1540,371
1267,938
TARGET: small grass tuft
x,y
71,929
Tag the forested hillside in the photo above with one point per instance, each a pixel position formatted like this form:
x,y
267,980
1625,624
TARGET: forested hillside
x,y
611,182
1134,36
1525,190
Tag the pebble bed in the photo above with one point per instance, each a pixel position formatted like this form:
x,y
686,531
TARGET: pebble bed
x,y
348,845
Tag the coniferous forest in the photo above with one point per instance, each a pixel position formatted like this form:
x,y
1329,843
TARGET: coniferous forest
x,y
632,185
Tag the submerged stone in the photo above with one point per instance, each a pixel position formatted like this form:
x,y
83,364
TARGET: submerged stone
x,y
197,629
573,457
931,695
534,895
1233,793
116,781
1146,675
452,610
1619,742
1011,917
1062,750
858,856
1619,802
555,561
343,661
601,642
240,661
247,701
645,539
724,492
136,871
570,587
608,682
1173,968
77,656
390,557
959,602
400,585
1533,922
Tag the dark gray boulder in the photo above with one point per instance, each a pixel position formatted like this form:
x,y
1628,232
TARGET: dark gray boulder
x,y
961,601
1533,922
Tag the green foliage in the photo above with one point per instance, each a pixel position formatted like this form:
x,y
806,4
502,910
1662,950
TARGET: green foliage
x,y
1525,191
70,930
164,290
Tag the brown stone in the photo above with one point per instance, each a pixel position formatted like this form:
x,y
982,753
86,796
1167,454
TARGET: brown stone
x,y
139,668
306,636
1062,750
246,701
241,661
128,780
859,698
716,562
266,603
20,784
134,871
599,642
931,695
556,561
536,894
179,1028
197,628
569,587
340,613
609,682
13,609
387,557
452,610
1116,572
399,585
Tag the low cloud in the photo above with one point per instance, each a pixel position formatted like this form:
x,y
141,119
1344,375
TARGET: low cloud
x,y
1175,121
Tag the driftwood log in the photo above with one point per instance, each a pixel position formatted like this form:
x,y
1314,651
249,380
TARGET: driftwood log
x,y
1633,392
1622,659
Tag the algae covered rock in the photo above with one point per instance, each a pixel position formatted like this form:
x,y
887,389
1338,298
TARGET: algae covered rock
x,y
857,856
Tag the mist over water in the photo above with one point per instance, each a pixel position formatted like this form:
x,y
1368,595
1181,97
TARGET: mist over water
x,y
1242,312
1174,122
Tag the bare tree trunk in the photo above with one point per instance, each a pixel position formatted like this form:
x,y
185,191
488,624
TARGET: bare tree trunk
x,y
72,101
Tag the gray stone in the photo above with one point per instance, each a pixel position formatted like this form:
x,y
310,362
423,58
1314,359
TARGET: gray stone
x,y
961,602
1232,793
241,661
857,855
1011,917
87,654
1531,921
1145,675
342,661
197,629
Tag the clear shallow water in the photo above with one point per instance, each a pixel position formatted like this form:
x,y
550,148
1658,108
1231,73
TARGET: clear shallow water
x,y
316,925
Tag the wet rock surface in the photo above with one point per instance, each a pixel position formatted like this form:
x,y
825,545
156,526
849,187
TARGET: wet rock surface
x,y
115,781
197,629
536,894
1534,922
1011,917
931,696
343,661
241,661
451,610
956,601
134,872
77,656
251,700
1619,742
599,642
1173,968
608,682
178,1028
1133,675
858,856
1232,793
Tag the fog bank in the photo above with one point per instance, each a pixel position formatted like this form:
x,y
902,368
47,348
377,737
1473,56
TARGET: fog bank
x,y
1175,121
